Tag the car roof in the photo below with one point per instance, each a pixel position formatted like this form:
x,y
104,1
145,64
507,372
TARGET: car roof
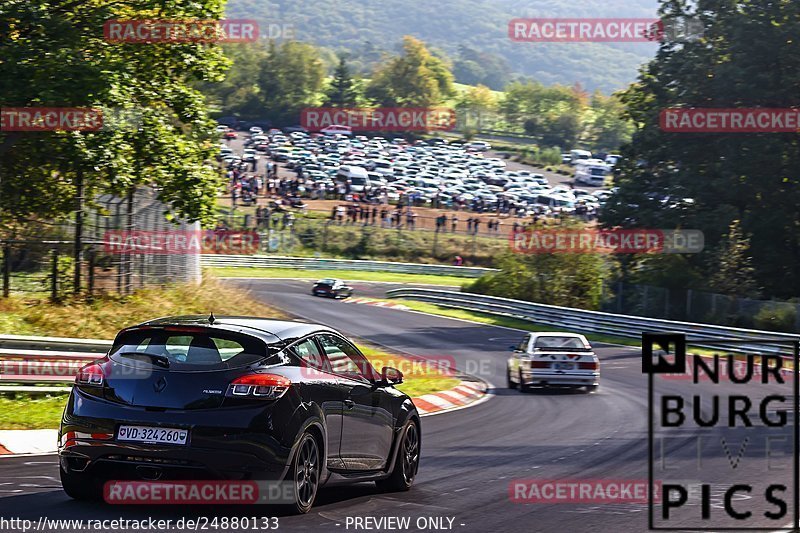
x,y
557,334
269,330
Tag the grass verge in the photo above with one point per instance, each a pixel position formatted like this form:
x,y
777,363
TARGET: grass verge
x,y
104,316
423,279
21,411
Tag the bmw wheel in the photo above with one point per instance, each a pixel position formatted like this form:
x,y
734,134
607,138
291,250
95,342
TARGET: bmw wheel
x,y
522,386
511,384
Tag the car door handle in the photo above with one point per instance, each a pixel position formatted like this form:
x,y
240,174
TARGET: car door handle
x,y
349,404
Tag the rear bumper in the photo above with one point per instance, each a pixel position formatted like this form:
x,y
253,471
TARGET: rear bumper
x,y
559,379
226,443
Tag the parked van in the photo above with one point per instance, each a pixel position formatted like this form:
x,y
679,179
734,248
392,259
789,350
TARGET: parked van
x,y
356,177
592,172
578,155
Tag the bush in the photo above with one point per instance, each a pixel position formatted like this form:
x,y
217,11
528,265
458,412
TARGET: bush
x,y
776,318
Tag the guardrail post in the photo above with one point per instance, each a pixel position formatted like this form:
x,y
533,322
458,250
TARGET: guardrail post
x,y
54,277
688,304
92,258
6,270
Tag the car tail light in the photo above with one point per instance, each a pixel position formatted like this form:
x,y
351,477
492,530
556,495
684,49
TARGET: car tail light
x,y
540,364
91,375
263,386
594,365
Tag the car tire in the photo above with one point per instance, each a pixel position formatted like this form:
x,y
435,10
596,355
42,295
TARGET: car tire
x,y
81,487
592,388
522,386
511,384
305,474
407,462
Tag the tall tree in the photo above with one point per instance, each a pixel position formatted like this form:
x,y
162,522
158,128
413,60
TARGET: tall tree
x,y
748,57
291,78
417,78
54,55
343,90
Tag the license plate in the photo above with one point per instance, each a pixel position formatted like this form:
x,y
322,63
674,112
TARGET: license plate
x,y
153,435
564,366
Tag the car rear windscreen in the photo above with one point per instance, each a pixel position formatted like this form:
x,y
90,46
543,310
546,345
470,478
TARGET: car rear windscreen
x,y
569,343
190,349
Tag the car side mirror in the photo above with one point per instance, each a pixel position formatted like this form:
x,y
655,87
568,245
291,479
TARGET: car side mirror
x,y
391,376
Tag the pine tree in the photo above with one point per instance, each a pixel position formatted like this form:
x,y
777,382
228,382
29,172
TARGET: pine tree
x,y
344,89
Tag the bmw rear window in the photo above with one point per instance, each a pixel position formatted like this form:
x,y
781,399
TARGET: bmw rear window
x,y
190,349
560,343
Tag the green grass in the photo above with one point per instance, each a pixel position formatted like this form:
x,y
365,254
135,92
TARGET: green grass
x,y
417,380
103,317
24,412
428,279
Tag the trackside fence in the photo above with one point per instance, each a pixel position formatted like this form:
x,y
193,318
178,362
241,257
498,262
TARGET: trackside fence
x,y
601,323
303,263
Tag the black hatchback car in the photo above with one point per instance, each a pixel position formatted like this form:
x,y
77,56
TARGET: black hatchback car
x,y
236,398
332,288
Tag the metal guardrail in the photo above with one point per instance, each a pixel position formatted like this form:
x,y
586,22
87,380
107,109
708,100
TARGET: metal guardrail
x,y
306,263
26,362
627,326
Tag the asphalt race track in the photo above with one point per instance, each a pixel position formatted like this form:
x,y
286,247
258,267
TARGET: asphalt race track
x,y
470,456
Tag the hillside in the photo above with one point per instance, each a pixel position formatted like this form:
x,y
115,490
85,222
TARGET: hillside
x,y
472,33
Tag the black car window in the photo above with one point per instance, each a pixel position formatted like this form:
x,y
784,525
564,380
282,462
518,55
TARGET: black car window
x,y
308,352
190,348
344,359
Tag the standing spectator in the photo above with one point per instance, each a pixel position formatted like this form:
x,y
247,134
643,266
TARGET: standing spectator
x,y
454,223
475,225
458,261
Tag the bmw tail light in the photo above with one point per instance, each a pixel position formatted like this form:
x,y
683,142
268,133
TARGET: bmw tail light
x,y
594,365
91,375
540,364
261,386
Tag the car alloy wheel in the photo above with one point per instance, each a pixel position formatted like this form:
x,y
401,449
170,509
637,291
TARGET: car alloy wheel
x,y
410,454
306,472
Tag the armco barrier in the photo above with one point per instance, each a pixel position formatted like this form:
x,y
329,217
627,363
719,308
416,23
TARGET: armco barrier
x,y
28,360
306,263
603,323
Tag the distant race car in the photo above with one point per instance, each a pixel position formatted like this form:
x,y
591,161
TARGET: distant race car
x,y
332,288
553,360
